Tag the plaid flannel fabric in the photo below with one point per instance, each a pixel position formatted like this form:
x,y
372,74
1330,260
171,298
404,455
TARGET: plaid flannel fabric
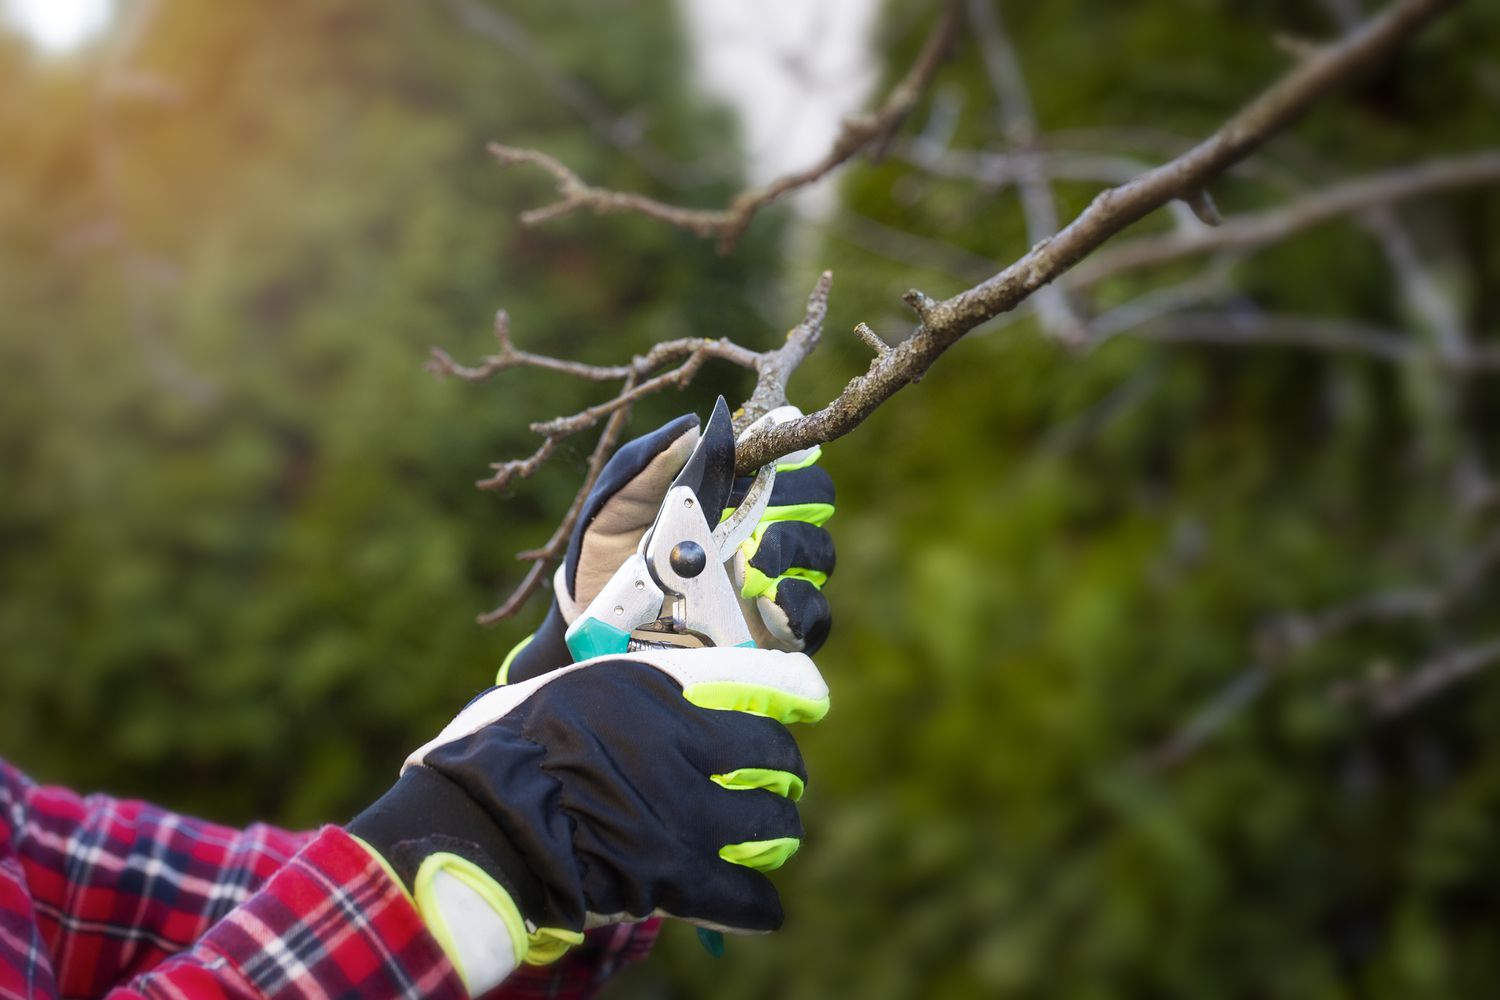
x,y
100,896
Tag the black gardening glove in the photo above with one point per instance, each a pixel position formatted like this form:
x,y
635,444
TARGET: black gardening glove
x,y
659,783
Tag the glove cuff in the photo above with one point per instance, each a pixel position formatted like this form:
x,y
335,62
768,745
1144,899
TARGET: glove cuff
x,y
425,814
473,919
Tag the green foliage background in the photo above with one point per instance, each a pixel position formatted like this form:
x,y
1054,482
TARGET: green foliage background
x,y
241,552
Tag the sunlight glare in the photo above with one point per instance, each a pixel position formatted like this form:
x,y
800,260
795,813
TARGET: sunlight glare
x,y
57,25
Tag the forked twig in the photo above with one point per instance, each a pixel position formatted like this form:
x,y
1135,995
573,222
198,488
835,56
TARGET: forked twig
x,y
869,131
642,376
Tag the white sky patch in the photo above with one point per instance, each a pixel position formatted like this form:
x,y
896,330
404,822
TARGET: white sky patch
x,y
791,70
57,25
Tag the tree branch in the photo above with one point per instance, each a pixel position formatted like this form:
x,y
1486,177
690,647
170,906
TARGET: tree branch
x,y
1261,330
621,131
545,557
1252,231
1292,635
1388,697
774,368
1017,121
997,169
728,225
1437,312
944,323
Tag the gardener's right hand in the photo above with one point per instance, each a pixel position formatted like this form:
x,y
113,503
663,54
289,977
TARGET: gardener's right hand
x,y
659,783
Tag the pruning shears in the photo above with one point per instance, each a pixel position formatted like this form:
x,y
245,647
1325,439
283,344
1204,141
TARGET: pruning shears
x,y
676,589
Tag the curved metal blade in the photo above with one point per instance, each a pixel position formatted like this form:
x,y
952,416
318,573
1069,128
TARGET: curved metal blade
x,y
741,524
709,471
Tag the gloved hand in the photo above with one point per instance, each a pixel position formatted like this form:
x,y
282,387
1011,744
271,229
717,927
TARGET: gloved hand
x,y
659,783
781,569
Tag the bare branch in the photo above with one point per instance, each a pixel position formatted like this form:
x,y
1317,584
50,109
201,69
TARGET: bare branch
x,y
1017,122
509,357
859,133
574,193
943,322
1203,207
1295,45
1162,320
920,252
1437,313
1210,284
872,340
621,131
691,353
1292,635
1252,231
1110,212
1262,330
1209,720
1055,157
545,557
994,170
642,376
774,368
1388,697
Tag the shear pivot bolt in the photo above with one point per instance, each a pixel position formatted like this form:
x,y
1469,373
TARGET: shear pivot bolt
x,y
688,559
619,610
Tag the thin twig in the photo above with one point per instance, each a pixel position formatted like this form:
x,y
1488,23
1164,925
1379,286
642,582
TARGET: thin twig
x,y
872,340
774,368
621,131
1248,232
509,357
1017,121
1210,284
1293,635
996,170
1437,312
1262,330
642,376
1388,697
918,252
691,353
574,194
727,225
544,558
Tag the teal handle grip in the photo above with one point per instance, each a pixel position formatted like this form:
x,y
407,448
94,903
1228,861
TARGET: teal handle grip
x,y
712,941
593,637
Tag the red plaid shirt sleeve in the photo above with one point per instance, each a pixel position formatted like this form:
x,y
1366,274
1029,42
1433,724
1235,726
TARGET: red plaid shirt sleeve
x,y
100,896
